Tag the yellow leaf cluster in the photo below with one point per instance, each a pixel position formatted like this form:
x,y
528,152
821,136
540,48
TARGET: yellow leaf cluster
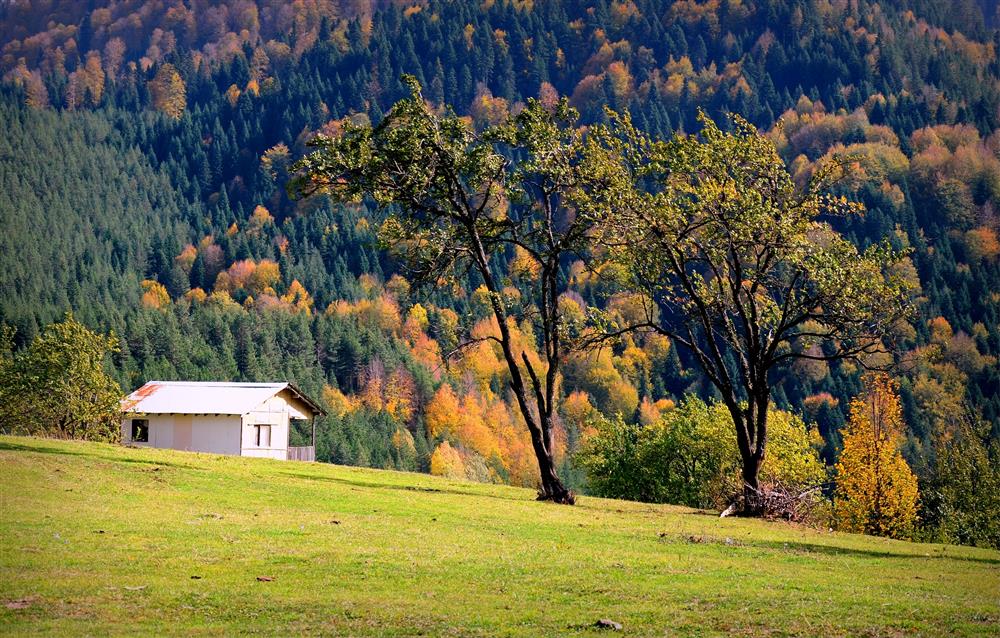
x,y
154,294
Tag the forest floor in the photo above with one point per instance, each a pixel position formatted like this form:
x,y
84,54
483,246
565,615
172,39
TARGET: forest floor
x,y
106,540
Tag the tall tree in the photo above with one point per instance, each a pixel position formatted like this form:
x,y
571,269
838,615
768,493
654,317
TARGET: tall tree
x,y
168,92
737,266
876,490
463,199
963,497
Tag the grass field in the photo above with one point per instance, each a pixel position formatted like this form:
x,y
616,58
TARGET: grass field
x,y
104,540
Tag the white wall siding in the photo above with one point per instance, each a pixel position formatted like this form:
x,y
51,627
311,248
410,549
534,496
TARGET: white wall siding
x,y
219,434
196,433
275,412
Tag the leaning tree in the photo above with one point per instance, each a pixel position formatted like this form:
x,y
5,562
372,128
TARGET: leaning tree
x,y
739,266
461,200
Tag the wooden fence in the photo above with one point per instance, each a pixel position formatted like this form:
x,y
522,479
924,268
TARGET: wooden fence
x,y
305,453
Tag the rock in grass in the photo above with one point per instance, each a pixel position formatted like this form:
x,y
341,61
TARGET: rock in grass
x,y
20,603
604,623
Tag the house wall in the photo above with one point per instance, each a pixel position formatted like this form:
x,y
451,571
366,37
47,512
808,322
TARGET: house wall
x,y
276,412
196,433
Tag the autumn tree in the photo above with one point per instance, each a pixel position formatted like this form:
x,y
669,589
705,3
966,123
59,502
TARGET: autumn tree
x,y
446,461
461,203
154,294
737,267
876,490
58,387
168,92
36,93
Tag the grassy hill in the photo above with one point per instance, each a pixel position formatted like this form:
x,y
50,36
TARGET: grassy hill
x,y
97,539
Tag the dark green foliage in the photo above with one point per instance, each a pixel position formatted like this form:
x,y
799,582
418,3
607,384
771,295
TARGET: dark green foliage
x,y
82,213
93,202
963,498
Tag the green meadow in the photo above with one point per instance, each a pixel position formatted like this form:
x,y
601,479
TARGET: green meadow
x,y
106,540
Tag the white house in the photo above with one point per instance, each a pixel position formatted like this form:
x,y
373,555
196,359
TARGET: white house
x,y
243,419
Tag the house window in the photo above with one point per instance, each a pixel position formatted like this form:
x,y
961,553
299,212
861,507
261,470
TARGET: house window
x,y
140,430
263,433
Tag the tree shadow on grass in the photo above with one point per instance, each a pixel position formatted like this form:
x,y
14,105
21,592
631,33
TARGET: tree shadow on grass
x,y
401,488
835,550
43,449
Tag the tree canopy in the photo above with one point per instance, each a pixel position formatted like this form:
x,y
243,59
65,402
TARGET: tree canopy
x,y
463,199
58,386
737,264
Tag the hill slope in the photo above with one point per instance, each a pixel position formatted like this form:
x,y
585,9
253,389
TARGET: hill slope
x,y
100,539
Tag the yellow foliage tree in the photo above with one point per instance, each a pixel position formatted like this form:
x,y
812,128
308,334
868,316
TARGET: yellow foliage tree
x,y
154,294
623,398
196,295
416,322
981,244
400,393
298,298
474,433
524,265
186,258
93,77
446,461
876,490
260,217
263,277
233,94
168,92
339,403
442,414
579,411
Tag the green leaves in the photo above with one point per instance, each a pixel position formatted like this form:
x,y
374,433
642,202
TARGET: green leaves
x,y
441,177
689,457
740,254
57,386
738,263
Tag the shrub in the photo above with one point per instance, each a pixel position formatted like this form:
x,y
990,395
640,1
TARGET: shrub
x,y
689,457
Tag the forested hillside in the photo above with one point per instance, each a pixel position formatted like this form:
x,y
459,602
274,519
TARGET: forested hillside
x,y
146,147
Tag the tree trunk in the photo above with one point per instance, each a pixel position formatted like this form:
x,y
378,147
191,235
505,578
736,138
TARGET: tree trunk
x,y
751,439
753,502
552,488
753,454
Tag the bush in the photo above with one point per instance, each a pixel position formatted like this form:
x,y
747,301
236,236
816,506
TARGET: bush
x,y
689,457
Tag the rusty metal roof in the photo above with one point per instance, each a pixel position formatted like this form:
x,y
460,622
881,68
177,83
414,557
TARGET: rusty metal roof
x,y
207,397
